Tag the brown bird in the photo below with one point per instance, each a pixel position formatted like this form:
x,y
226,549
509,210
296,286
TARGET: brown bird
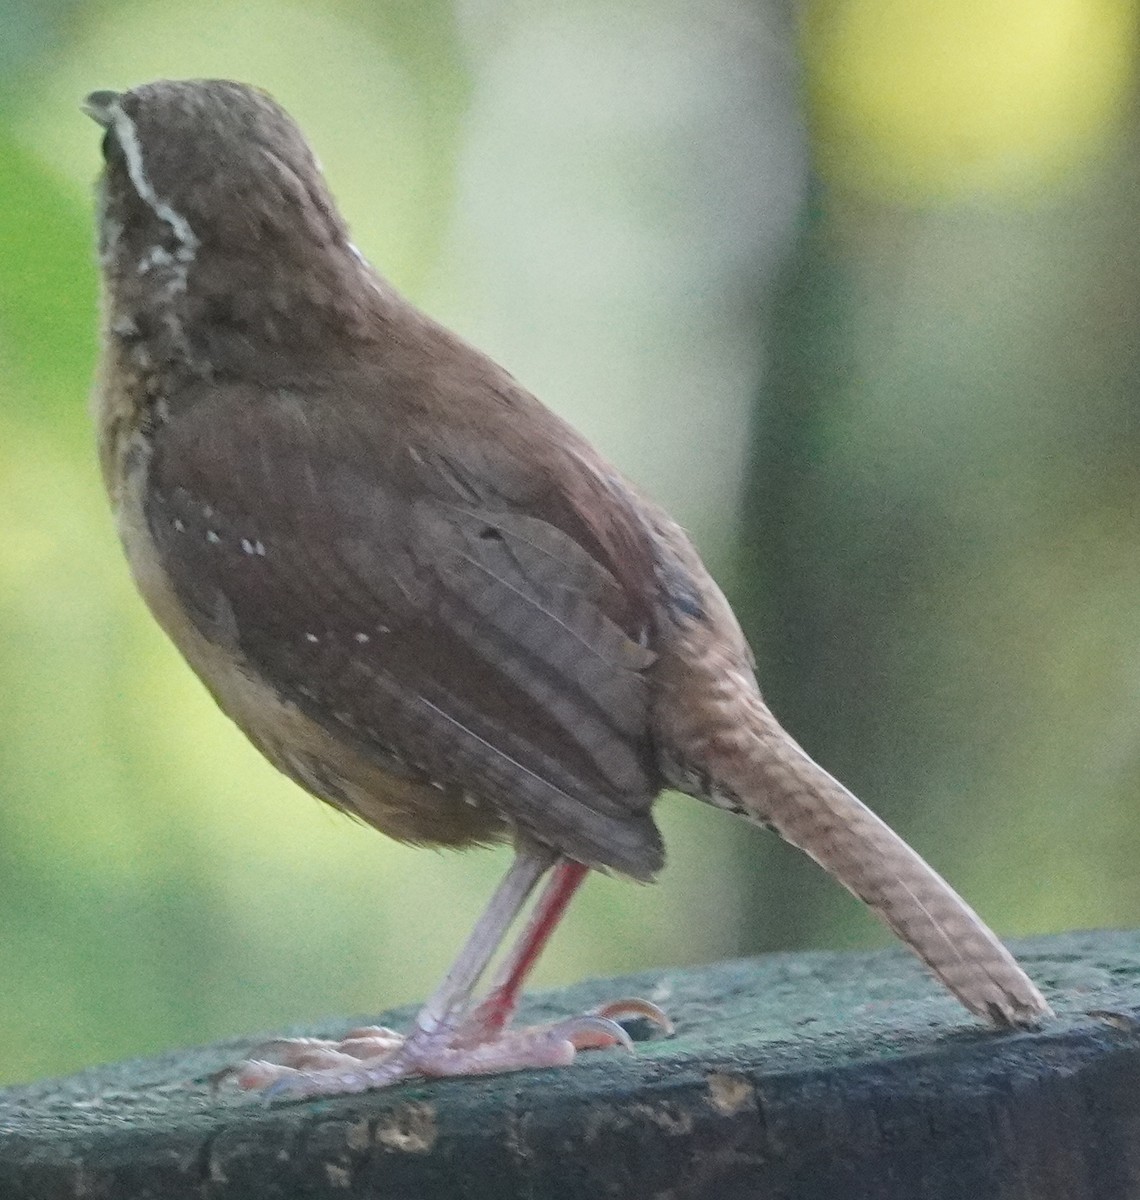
x,y
422,595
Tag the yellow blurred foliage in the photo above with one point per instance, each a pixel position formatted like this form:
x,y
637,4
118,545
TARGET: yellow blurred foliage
x,y
922,100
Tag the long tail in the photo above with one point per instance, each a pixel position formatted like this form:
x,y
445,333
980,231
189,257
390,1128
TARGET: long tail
x,y
732,752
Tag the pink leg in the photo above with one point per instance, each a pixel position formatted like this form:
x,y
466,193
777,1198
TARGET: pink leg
x,y
495,1012
449,1036
488,1019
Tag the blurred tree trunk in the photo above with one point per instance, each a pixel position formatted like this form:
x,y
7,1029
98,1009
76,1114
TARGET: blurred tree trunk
x,y
939,567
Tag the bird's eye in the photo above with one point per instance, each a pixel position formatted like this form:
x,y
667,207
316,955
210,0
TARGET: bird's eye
x,y
111,147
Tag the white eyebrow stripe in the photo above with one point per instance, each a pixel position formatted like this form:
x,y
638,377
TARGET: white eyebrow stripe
x,y
132,152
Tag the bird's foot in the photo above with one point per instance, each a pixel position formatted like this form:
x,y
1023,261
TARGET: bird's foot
x,y
375,1057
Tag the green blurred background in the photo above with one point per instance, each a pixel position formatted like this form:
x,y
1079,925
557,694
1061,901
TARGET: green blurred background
x,y
854,291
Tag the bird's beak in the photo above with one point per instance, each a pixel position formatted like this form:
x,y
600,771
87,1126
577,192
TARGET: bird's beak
x,y
101,107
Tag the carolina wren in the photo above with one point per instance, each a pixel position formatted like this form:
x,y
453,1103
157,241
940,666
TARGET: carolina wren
x,y
421,594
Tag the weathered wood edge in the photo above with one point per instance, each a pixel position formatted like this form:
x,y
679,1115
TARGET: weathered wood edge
x,y
805,1076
